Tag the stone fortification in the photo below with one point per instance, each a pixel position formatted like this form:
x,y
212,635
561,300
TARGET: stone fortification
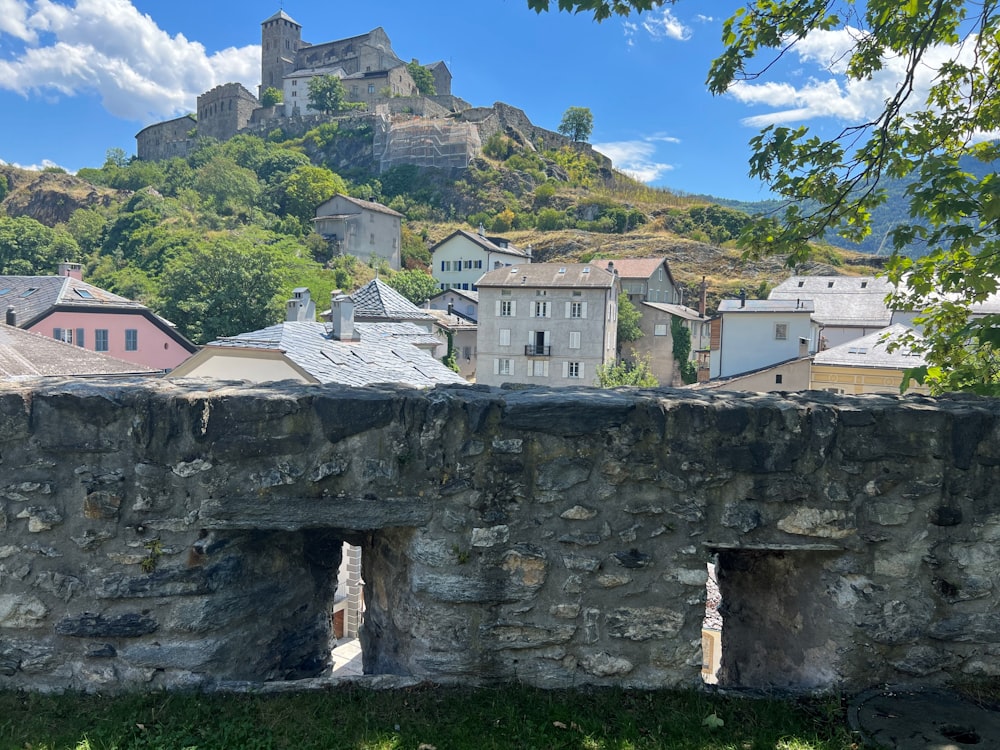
x,y
182,534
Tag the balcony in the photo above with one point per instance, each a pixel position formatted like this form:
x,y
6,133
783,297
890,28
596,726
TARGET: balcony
x,y
531,350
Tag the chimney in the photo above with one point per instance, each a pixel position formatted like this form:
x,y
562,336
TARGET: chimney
x,y
12,317
803,346
451,309
703,298
73,270
482,231
342,317
300,307
527,250
743,297
611,268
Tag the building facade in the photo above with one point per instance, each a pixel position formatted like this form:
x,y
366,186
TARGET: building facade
x,y
461,258
752,334
546,324
360,228
645,279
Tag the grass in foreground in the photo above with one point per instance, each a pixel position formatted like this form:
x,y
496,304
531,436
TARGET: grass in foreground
x,y
423,718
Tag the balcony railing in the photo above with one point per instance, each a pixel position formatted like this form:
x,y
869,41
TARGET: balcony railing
x,y
530,350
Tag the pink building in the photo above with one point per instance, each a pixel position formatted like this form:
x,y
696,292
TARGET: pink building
x,y
66,308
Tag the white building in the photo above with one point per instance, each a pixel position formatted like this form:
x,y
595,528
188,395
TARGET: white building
x,y
462,257
751,334
546,324
846,307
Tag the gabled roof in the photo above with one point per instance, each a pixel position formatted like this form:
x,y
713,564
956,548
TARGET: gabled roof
x,y
453,321
36,297
24,354
873,351
678,311
766,306
840,300
366,205
635,268
547,275
489,244
376,300
386,353
281,16
467,293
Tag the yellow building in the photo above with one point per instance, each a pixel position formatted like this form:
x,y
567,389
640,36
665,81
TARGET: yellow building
x,y
865,365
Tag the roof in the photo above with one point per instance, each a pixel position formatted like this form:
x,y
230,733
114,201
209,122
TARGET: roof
x,y
872,351
678,311
281,16
366,205
376,300
386,353
24,354
35,297
766,306
575,275
453,321
840,300
467,293
635,268
189,116
489,244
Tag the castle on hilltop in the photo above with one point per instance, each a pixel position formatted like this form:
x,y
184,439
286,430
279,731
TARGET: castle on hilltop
x,y
407,127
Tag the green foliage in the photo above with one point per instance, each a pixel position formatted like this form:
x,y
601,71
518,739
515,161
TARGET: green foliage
x,y
549,219
4,187
499,146
305,188
414,284
28,248
601,9
544,193
413,253
628,320
271,97
580,167
228,187
577,124
681,335
422,77
328,95
638,374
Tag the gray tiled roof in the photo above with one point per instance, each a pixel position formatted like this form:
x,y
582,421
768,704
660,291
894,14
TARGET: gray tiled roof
x,y
766,305
376,300
544,275
24,354
678,311
386,353
872,351
840,300
467,293
368,205
490,244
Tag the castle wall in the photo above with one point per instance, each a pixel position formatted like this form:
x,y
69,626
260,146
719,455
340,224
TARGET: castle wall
x,y
182,534
165,140
224,111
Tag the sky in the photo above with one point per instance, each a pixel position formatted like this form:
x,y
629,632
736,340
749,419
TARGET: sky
x,y
78,77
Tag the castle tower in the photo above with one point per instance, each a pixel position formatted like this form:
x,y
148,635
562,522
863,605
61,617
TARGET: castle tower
x,y
280,39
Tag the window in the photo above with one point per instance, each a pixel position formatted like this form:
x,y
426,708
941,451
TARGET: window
x,y
541,292
781,331
574,339
660,329
578,309
572,369
479,264
84,294
540,368
295,83
131,340
295,93
80,337
63,334
371,88
504,337
29,291
505,292
541,309
506,308
468,264
467,352
371,238
777,379
465,285
101,340
445,265
501,366
371,218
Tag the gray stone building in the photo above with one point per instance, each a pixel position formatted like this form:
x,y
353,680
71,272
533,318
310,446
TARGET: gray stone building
x,y
360,228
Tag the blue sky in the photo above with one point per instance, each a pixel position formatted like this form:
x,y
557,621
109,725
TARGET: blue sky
x,y
78,77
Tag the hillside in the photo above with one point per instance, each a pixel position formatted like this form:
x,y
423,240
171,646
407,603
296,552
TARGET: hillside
x,y
49,197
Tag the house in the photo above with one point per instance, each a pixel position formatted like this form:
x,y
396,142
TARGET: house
x,y
865,365
752,334
846,307
657,342
546,324
645,279
462,332
377,302
343,351
462,257
25,354
360,228
462,301
67,308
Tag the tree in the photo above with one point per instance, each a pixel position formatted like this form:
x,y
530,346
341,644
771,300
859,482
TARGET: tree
x,y
577,124
29,248
327,95
613,375
422,77
305,188
628,321
414,284
932,130
271,97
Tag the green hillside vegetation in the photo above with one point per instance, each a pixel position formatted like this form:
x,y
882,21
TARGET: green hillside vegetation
x,y
216,241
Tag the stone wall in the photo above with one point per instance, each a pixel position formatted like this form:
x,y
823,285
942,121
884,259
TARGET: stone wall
x,y
168,534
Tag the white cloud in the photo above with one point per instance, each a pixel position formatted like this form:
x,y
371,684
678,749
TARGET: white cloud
x,y
14,20
46,164
109,48
635,158
665,25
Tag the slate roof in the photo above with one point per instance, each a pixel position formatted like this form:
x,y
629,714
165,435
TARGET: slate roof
x,y
490,244
635,268
24,354
840,300
376,300
467,293
367,205
678,311
386,353
453,321
872,351
766,305
547,275
281,16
